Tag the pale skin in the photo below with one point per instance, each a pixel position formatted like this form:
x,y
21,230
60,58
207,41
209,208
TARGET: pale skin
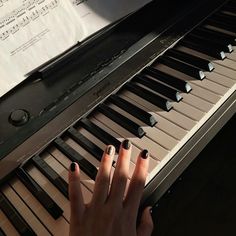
x,y
110,212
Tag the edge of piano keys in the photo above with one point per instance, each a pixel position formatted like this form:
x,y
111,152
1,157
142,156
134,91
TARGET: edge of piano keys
x,y
203,133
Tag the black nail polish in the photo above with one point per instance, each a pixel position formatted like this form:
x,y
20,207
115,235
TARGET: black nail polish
x,y
72,166
144,154
110,150
126,144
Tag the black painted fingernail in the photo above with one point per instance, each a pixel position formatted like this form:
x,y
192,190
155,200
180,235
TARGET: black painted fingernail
x,y
144,154
126,144
72,166
110,150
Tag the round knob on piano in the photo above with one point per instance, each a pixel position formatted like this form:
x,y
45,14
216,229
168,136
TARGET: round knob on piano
x,y
19,117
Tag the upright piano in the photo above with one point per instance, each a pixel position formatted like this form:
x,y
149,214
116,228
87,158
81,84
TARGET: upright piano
x,y
163,77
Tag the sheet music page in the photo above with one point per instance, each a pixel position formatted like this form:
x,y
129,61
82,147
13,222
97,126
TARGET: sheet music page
x,y
96,14
31,33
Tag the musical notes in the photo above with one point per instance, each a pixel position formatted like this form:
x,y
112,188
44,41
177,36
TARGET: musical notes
x,y
33,32
77,2
20,17
2,2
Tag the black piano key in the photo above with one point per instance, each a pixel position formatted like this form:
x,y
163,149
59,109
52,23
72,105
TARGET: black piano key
x,y
180,66
149,96
190,59
74,156
203,49
100,133
92,148
226,19
230,7
133,110
2,233
14,217
123,121
51,175
221,24
158,87
212,34
54,210
168,79
229,19
216,44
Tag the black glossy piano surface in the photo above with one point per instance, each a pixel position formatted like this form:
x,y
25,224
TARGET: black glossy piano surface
x,y
45,95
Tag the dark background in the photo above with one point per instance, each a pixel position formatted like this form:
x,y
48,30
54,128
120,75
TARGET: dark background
x,y
203,201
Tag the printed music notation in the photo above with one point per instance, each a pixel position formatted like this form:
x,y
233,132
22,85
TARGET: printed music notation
x,y
77,2
22,16
2,2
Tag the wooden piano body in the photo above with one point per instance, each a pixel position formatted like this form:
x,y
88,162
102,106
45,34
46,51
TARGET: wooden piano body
x,y
68,89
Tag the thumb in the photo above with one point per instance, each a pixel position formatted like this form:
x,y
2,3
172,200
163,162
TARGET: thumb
x,y
146,224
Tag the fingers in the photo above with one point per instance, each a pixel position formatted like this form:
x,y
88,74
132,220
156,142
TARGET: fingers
x,y
121,173
75,194
146,224
102,183
137,183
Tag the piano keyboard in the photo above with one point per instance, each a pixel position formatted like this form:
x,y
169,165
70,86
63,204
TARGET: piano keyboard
x,y
159,109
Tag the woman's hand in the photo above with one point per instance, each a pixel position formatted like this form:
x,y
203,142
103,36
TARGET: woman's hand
x,y
110,212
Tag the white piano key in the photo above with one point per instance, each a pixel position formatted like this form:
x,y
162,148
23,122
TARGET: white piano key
x,y
94,140
220,79
82,152
155,150
91,158
215,88
200,91
189,111
7,226
185,109
173,116
224,67
24,211
51,190
63,172
226,72
232,56
56,227
228,63
162,124
65,161
153,133
135,150
220,30
197,102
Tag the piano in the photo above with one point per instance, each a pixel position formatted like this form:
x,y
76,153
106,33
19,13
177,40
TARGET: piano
x,y
164,77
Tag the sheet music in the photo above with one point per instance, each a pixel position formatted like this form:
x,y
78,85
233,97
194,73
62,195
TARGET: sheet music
x,y
96,14
33,32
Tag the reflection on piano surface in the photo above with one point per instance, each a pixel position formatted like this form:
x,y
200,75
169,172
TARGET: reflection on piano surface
x,y
162,108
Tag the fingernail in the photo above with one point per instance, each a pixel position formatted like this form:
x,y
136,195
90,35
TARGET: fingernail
x,y
150,210
144,154
110,150
126,144
72,166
